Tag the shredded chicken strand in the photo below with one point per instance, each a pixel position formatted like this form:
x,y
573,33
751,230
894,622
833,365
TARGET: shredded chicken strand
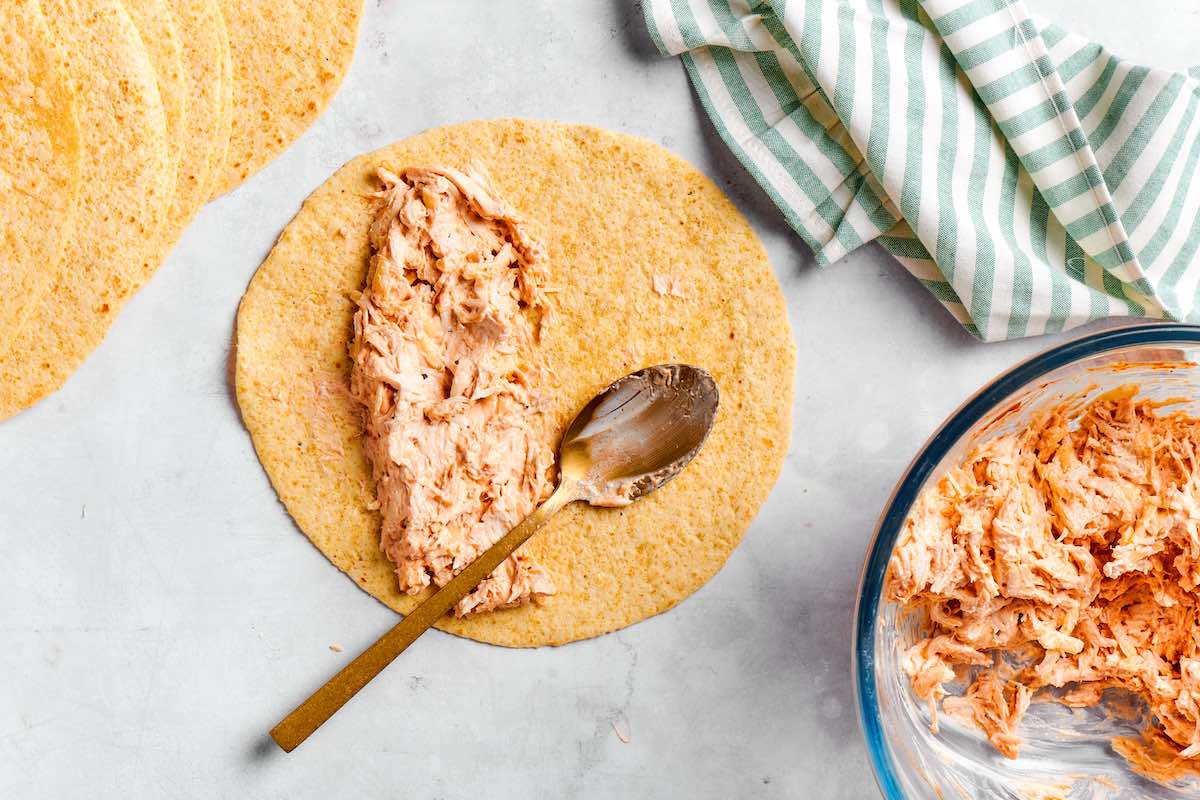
x,y
447,373
1064,556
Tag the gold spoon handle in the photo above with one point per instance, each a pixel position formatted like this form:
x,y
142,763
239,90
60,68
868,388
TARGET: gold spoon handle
x,y
324,703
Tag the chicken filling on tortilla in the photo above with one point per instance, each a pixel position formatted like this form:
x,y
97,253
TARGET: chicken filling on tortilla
x,y
447,371
1062,560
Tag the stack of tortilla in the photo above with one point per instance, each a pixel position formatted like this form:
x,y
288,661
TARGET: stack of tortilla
x,y
118,120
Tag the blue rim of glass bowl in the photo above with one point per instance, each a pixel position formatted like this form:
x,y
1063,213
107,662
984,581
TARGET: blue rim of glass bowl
x,y
896,510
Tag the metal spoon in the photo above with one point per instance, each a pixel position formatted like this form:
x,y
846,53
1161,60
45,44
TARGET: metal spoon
x,y
629,440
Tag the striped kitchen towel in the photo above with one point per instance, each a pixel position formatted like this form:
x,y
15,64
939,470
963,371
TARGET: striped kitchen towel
x,y
1030,179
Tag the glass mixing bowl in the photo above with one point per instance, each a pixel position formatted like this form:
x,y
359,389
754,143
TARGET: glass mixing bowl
x,y
1066,753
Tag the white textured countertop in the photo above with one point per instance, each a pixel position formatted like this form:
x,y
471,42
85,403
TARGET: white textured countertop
x,y
159,611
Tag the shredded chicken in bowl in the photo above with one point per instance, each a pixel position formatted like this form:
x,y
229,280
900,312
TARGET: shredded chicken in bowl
x,y
1057,562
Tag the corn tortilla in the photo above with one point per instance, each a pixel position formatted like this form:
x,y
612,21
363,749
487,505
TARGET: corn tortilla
x,y
613,211
199,26
39,161
224,119
125,185
289,57
156,29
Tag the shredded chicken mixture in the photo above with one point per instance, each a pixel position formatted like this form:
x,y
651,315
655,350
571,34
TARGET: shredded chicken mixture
x,y
446,369
1062,560
669,284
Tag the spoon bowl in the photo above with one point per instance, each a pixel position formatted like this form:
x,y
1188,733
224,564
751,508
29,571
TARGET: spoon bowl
x,y
638,433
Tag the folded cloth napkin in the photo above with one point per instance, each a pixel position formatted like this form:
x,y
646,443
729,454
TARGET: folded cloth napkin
x,y
1031,180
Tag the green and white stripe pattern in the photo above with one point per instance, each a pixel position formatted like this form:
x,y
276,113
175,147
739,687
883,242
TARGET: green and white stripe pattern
x,y
1027,177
